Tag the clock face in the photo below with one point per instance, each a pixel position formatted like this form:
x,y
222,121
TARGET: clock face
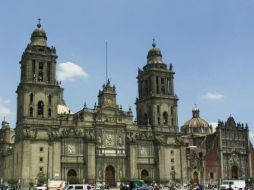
x,y
70,149
109,101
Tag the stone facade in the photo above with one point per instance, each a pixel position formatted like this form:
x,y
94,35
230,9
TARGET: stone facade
x,y
103,144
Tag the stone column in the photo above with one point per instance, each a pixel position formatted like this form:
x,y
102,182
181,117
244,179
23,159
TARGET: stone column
x,y
133,161
162,164
55,160
25,162
90,162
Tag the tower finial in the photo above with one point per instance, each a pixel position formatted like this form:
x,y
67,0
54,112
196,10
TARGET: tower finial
x,y
154,44
39,23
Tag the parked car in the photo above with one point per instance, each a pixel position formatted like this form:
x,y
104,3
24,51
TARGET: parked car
x,y
41,187
78,187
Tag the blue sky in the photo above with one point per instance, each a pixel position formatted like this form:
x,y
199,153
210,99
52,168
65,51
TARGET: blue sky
x,y
209,42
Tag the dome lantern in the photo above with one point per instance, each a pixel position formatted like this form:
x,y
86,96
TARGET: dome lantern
x,y
154,55
39,37
195,112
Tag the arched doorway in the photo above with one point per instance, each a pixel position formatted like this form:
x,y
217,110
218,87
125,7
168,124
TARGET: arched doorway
x,y
110,176
234,172
144,173
70,173
195,177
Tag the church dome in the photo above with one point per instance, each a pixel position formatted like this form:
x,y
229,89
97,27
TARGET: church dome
x,y
39,37
196,125
154,55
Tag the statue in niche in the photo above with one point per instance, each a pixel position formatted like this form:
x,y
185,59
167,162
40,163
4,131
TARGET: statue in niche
x,y
99,139
120,141
100,174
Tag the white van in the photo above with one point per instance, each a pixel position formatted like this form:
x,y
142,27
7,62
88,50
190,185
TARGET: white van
x,y
235,184
78,187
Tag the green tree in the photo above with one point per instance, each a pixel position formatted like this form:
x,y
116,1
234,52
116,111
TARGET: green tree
x,y
12,181
148,180
42,179
74,180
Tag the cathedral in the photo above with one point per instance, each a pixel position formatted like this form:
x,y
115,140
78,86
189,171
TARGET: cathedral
x,y
103,143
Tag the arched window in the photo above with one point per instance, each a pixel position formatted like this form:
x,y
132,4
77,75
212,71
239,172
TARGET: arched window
x,y
165,118
48,71
145,119
172,110
157,85
144,174
211,175
159,120
172,121
31,98
40,76
168,85
49,99
71,173
158,109
110,175
49,112
40,108
31,110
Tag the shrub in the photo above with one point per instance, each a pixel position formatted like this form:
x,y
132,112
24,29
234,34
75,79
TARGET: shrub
x,y
164,181
74,180
148,180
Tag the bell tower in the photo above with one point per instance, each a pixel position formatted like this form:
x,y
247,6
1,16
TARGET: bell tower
x,y
156,103
38,92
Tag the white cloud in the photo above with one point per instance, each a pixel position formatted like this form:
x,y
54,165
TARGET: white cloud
x,y
213,96
4,108
251,135
69,71
214,125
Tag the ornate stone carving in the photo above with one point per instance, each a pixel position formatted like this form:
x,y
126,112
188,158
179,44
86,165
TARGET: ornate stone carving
x,y
53,134
143,151
110,140
160,139
131,137
89,135
29,133
72,132
70,148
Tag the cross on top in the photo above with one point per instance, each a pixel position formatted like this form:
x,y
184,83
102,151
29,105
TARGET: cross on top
x,y
39,23
154,44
